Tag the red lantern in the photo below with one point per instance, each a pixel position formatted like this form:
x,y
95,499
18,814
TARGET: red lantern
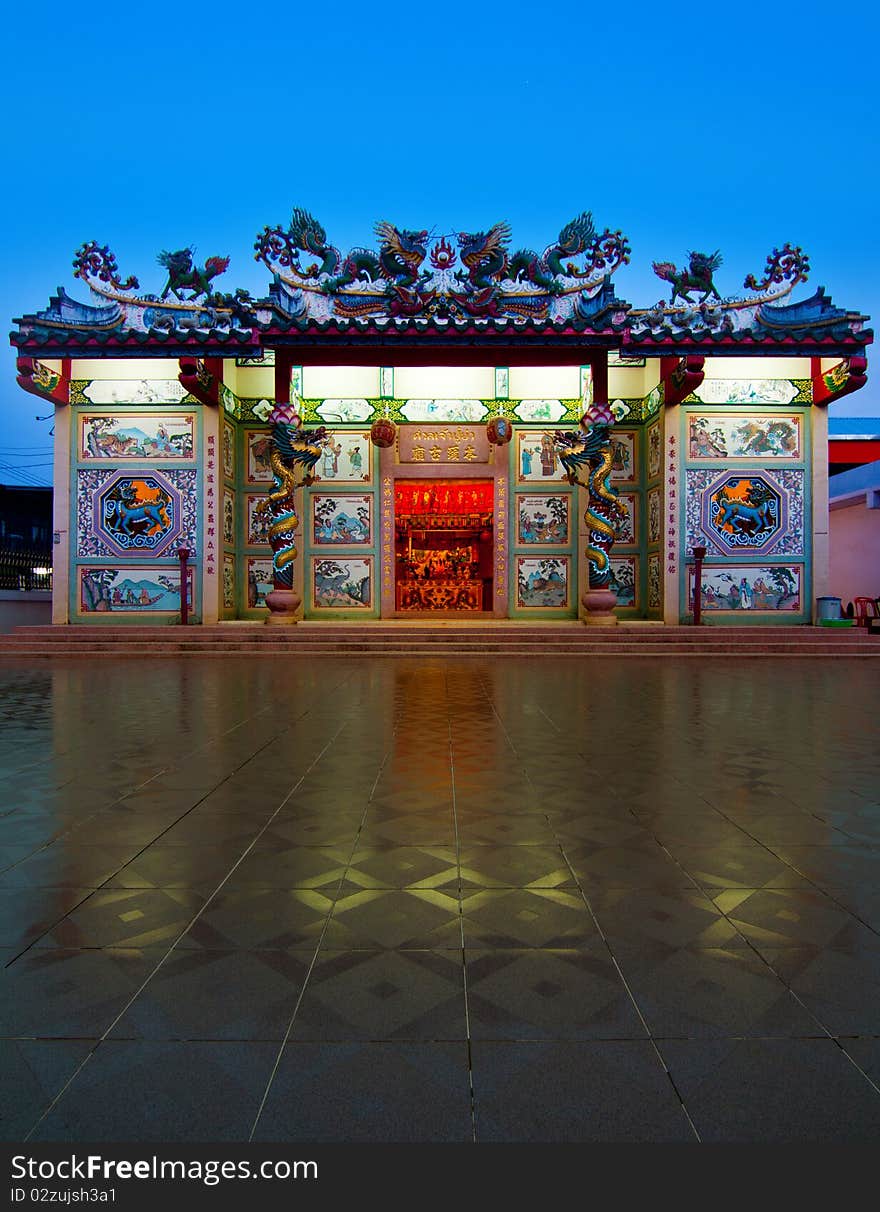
x,y
499,431
383,432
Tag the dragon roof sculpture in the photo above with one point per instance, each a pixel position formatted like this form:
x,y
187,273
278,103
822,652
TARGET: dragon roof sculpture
x,y
416,282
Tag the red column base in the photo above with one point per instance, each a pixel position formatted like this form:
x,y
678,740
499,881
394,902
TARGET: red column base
x,y
599,605
283,605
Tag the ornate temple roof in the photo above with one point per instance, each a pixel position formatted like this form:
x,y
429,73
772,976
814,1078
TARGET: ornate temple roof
x,y
451,289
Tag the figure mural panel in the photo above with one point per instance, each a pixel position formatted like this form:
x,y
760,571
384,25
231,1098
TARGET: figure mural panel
x,y
536,458
140,436
344,520
542,582
345,459
228,583
343,583
624,468
655,514
228,517
543,520
123,513
132,590
258,522
655,599
655,451
738,588
626,526
719,435
228,441
258,447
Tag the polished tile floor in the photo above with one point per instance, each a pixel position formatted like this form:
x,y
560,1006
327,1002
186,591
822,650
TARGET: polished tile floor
x,y
440,901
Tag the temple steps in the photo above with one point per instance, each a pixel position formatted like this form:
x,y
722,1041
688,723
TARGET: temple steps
x,y
436,640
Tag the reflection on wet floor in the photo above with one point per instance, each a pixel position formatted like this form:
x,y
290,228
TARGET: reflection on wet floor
x,y
434,901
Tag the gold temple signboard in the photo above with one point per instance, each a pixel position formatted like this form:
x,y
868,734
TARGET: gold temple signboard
x,y
443,445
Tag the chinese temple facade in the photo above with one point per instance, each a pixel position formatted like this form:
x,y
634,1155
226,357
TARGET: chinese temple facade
x,y
398,432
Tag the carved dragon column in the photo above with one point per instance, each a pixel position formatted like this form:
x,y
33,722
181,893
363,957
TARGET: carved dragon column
x,y
294,453
589,452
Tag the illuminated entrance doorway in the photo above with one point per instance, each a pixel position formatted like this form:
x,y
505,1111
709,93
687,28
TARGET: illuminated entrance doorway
x,y
443,545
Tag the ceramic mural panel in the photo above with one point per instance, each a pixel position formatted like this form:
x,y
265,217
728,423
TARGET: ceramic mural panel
x,y
624,576
623,456
655,451
258,449
144,513
228,583
343,520
228,517
342,583
542,582
260,581
227,441
655,515
345,459
536,459
746,391
626,525
257,523
444,410
344,412
655,591
740,588
720,435
133,391
140,436
538,411
731,512
132,590
543,520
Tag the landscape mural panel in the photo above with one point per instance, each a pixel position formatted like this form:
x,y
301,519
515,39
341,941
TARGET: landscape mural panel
x,y
342,583
136,589
259,581
624,579
543,520
741,588
341,521
144,436
720,435
542,582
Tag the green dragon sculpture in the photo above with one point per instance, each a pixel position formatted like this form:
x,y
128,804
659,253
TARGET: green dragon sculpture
x,y
577,237
401,253
590,451
294,452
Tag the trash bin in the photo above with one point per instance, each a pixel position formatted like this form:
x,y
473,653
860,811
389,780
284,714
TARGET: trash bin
x,y
827,608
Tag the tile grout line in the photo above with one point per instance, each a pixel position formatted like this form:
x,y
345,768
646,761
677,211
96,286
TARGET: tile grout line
x,y
614,961
464,980
92,891
290,1025
59,1095
701,891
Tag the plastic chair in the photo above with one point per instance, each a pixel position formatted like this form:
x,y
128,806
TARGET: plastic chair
x,y
865,609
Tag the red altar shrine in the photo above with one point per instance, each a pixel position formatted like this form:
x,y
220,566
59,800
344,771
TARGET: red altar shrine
x,y
443,544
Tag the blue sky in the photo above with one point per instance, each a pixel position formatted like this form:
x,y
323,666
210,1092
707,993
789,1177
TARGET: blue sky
x,y
148,128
